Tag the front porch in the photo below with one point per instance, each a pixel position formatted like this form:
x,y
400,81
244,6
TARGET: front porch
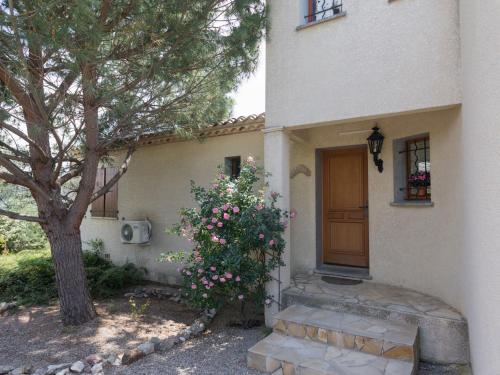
x,y
442,329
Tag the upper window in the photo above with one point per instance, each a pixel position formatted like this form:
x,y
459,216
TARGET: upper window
x,y
322,9
232,166
412,169
106,205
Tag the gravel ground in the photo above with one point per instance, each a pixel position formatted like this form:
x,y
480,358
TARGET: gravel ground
x,y
36,336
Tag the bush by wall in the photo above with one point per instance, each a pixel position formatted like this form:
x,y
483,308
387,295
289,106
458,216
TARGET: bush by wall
x,y
28,277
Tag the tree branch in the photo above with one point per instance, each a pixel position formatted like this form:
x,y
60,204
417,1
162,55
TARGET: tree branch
x,y
16,216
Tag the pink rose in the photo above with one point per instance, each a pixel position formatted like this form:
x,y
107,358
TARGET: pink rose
x,y
222,280
259,207
293,214
204,281
268,301
215,239
236,209
226,216
238,279
240,297
261,236
229,190
188,273
215,210
212,268
225,207
200,270
228,275
214,220
222,241
211,284
215,277
220,225
193,286
271,243
210,227
207,287
274,194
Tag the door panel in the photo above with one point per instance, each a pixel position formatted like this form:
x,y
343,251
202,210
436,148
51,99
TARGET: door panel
x,y
345,207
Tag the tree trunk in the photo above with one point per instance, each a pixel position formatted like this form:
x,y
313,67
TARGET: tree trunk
x,y
74,297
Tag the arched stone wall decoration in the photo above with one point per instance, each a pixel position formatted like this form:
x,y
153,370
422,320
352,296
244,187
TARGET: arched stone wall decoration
x,y
301,168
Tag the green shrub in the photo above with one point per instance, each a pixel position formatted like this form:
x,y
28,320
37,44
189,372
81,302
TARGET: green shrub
x,y
237,238
29,278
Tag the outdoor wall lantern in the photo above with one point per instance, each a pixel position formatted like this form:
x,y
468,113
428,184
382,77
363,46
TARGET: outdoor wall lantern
x,y
375,141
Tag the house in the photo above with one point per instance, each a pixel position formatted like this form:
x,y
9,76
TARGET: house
x,y
420,229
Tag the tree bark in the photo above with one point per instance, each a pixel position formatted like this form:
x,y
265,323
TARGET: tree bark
x,y
74,298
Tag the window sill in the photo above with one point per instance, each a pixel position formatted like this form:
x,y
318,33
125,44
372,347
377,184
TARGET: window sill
x,y
314,23
413,204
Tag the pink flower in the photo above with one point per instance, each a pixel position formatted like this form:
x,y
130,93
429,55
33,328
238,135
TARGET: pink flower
x,y
271,243
200,270
212,268
222,241
211,284
274,194
188,273
215,277
236,209
238,279
193,286
220,225
229,190
215,239
268,301
215,210
228,275
225,207
210,227
207,287
205,295
261,236
204,281
250,160
240,297
293,214
204,220
214,220
222,279
226,216
259,206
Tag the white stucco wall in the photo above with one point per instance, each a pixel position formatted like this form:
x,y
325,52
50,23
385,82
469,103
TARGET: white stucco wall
x,y
381,58
481,181
413,247
156,186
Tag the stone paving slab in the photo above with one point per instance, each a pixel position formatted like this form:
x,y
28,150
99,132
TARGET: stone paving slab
x,y
302,357
355,332
443,331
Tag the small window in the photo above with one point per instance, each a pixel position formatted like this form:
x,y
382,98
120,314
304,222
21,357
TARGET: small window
x,y
418,169
412,169
106,205
233,166
322,9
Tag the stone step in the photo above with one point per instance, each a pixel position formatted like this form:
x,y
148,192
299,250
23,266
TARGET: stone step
x,y
443,332
296,356
383,338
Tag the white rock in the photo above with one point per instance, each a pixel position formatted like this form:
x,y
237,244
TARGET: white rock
x,y
5,369
63,372
147,348
52,369
97,368
77,367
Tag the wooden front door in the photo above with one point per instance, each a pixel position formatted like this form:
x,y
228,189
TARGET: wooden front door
x,y
345,207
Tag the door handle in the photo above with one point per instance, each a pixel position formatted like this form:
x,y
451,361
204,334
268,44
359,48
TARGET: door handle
x,y
365,207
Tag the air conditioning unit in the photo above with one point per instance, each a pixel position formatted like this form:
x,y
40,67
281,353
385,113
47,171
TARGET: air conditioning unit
x,y
136,232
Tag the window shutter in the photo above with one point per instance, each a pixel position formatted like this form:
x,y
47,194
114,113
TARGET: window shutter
x,y
97,208
111,197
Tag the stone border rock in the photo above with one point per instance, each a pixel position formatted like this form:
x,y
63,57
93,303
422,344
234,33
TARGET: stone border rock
x,y
95,363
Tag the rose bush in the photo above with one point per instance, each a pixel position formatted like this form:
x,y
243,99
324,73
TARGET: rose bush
x,y
237,239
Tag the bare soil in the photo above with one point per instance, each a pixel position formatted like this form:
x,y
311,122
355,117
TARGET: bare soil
x,y
35,335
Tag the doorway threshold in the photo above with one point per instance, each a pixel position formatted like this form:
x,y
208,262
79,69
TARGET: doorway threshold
x,y
355,273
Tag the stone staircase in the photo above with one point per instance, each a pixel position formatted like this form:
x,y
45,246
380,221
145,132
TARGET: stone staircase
x,y
315,341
